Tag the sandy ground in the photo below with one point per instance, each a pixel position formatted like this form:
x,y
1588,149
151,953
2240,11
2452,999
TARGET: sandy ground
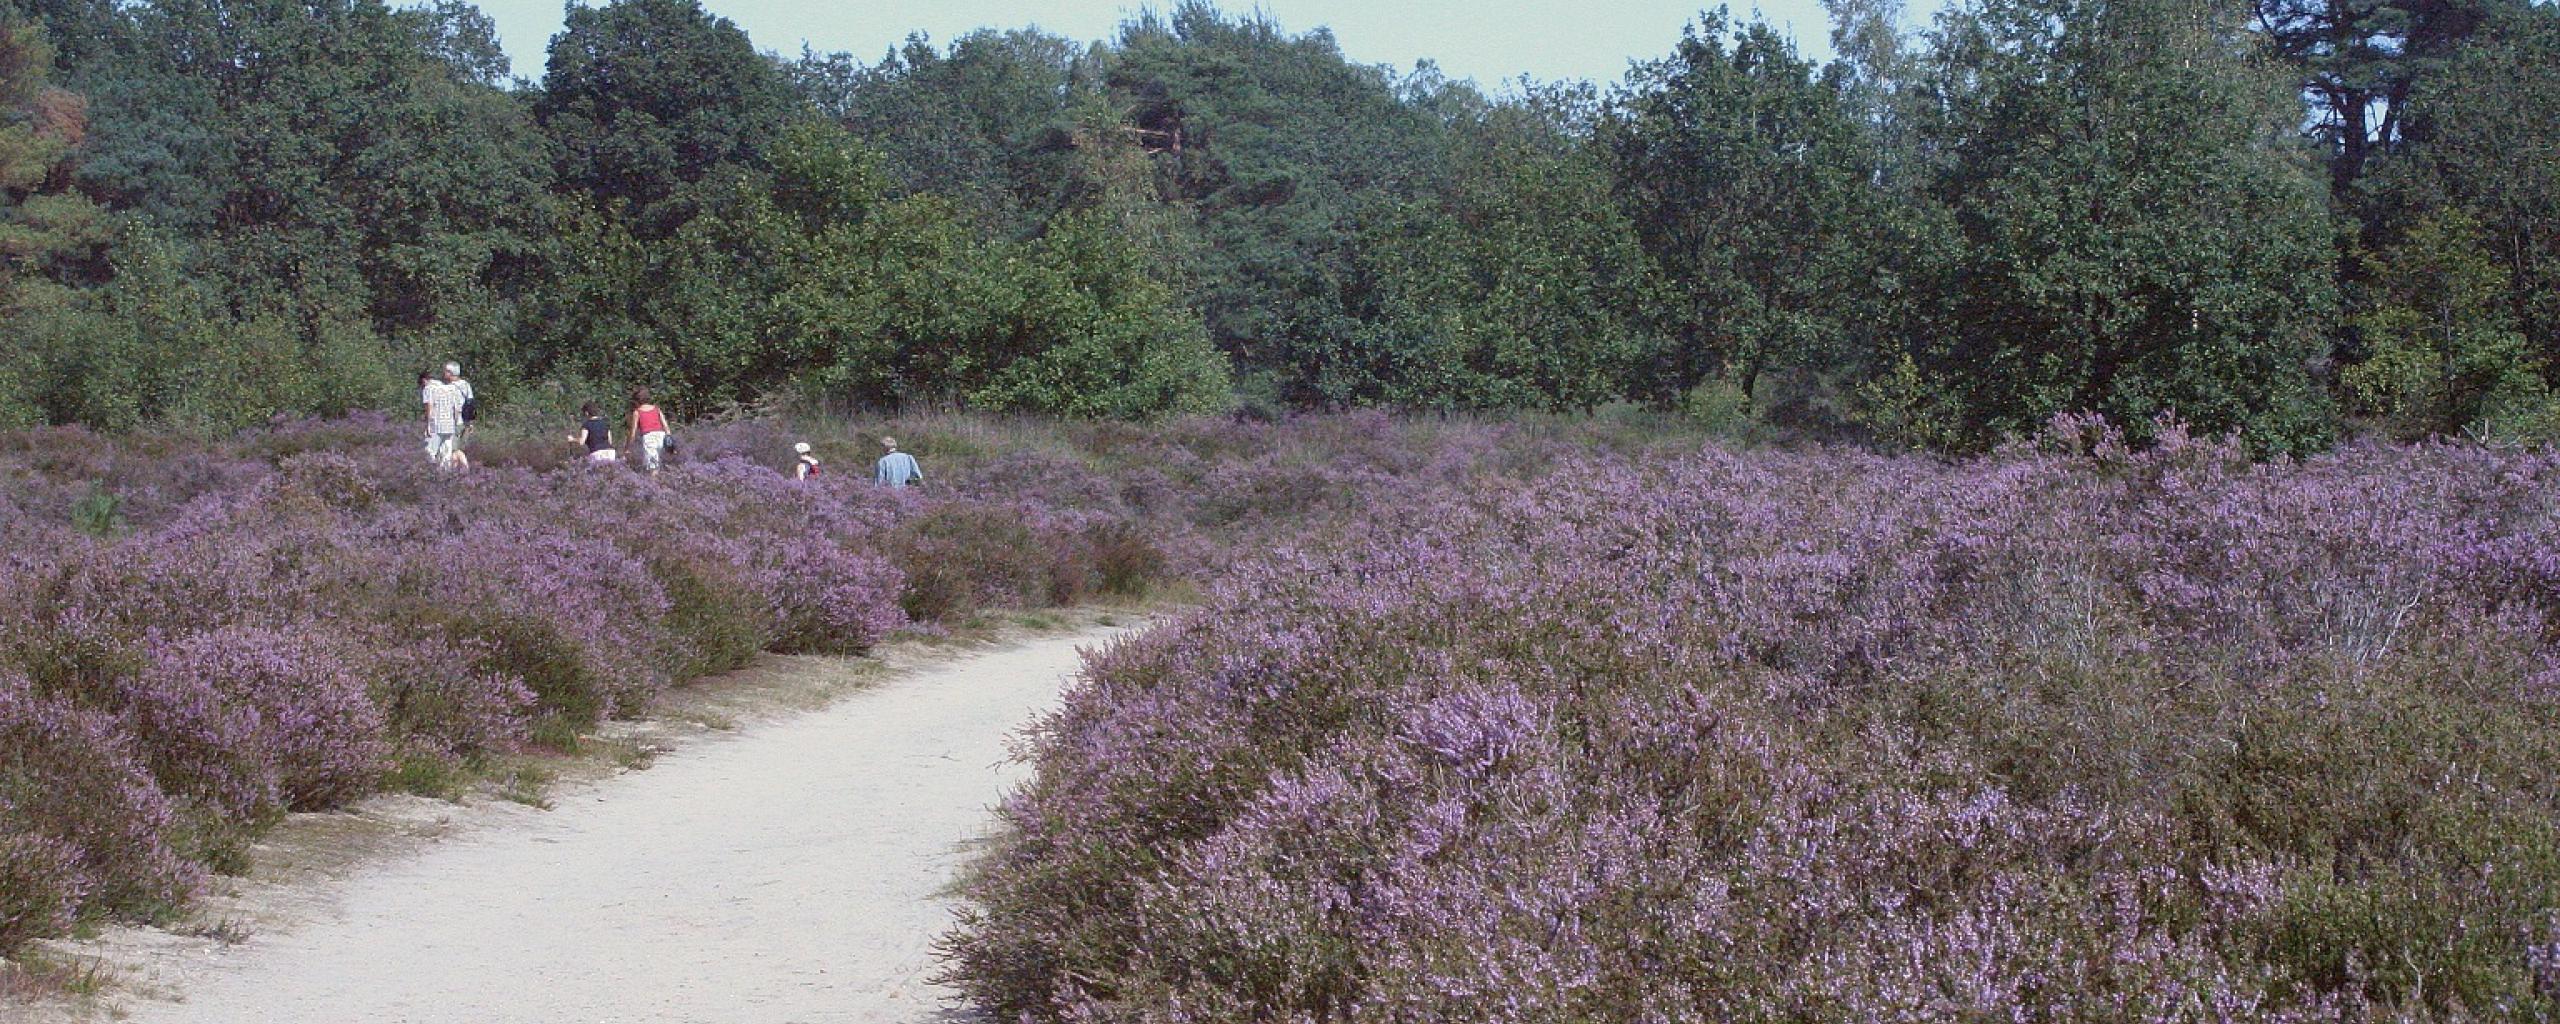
x,y
791,871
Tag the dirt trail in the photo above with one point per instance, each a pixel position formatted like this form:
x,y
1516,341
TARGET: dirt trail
x,y
790,874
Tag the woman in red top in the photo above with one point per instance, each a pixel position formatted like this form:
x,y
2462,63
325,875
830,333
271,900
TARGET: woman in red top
x,y
649,424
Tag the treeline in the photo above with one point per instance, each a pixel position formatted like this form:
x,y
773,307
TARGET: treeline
x,y
2285,221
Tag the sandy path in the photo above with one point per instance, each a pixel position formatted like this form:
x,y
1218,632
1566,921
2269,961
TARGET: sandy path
x,y
791,874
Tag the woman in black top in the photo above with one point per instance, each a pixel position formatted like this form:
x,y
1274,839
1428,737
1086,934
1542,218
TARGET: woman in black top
x,y
594,433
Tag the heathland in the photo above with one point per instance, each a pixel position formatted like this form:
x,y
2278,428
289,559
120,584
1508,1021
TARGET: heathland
x,y
1535,720
2072,732
199,638
2120,635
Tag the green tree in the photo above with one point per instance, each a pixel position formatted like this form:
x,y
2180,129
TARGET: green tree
x,y
350,167
1279,145
1750,184
50,235
53,241
812,280
2137,237
988,124
2358,62
1874,73
2443,354
647,100
110,326
2480,136
162,343
1519,283
1107,337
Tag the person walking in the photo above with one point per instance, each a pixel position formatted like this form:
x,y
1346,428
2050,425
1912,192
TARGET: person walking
x,y
426,382
807,465
649,425
595,434
470,403
443,402
897,468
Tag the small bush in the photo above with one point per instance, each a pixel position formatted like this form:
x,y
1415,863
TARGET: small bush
x,y
71,787
440,697
331,479
826,599
300,723
41,886
1126,561
958,559
575,619
571,691
1718,406
717,614
99,514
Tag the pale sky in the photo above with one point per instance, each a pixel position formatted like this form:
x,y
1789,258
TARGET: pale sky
x,y
1490,41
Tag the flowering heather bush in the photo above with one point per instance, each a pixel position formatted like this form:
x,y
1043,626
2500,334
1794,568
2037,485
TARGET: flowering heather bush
x,y
198,639
2074,733
435,696
82,827
41,886
574,618
826,599
964,557
283,706
717,611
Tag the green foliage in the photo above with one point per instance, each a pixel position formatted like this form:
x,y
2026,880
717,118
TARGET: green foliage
x,y
1719,406
1108,339
155,344
2134,240
2481,137
49,234
218,211
989,125
372,169
2360,62
808,279
1902,408
2443,353
714,621
644,100
1518,284
51,239
99,513
959,560
308,194
1748,181
1280,144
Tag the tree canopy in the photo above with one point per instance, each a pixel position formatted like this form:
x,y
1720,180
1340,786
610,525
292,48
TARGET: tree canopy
x,y
2290,220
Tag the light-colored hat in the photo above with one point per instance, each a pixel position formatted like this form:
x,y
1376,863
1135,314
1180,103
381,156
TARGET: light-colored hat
x,y
453,368
802,447
888,442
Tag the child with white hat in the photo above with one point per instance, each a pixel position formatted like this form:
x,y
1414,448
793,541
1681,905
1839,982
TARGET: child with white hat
x,y
807,466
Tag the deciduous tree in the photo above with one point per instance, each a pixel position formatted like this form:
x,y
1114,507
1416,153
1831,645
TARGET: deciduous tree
x,y
2139,235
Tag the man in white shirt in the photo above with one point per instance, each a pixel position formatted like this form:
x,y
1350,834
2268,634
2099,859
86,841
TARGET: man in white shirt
x,y
444,422
470,403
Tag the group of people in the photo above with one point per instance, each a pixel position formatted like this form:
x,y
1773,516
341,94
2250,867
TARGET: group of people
x,y
451,407
895,468
648,423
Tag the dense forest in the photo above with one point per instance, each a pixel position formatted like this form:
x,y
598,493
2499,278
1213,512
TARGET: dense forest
x,y
2289,221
